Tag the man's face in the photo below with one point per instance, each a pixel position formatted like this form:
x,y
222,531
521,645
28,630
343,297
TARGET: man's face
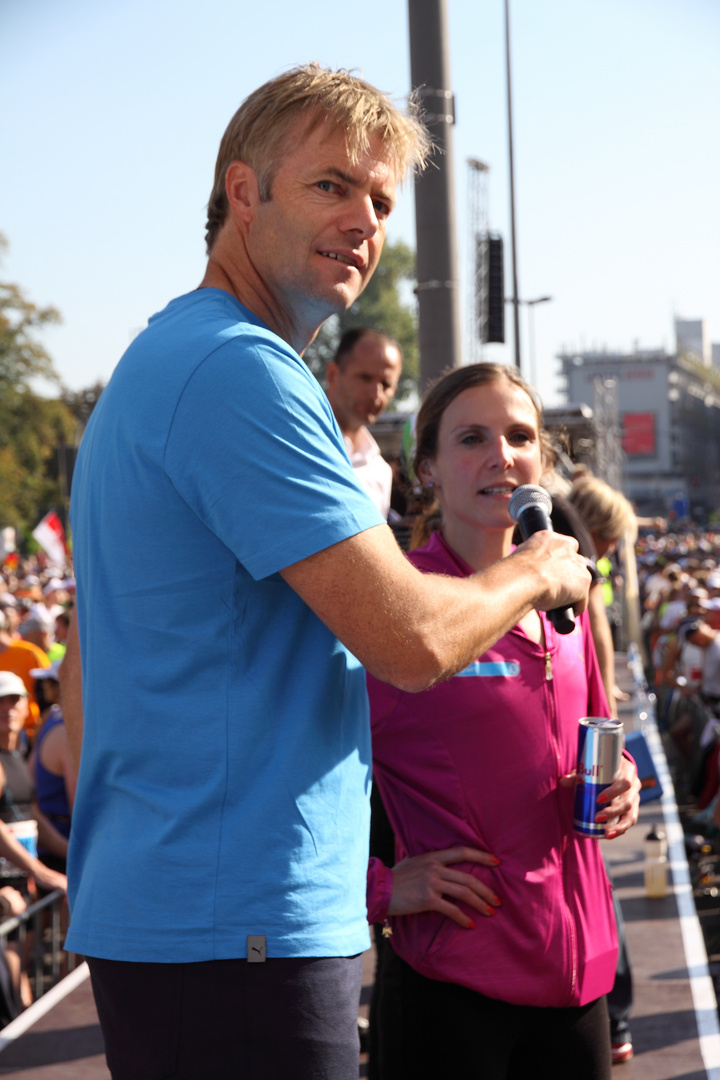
x,y
317,241
366,383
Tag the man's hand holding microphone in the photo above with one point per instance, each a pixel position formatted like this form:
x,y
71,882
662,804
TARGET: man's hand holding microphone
x,y
564,578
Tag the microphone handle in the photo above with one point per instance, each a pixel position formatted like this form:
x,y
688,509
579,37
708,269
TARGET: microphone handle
x,y
563,619
534,519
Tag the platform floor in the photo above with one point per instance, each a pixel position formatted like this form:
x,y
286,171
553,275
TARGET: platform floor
x,y
674,1022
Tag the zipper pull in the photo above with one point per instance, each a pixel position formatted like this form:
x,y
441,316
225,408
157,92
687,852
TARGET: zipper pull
x,y
548,667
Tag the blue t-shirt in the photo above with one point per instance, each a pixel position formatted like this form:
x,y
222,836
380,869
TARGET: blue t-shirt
x,y
226,756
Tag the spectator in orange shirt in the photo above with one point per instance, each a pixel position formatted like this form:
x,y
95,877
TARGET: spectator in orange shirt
x,y
21,657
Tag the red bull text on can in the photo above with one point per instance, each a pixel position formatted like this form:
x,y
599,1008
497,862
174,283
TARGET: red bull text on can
x,y
600,743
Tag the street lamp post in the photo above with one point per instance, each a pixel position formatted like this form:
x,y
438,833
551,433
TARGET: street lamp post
x,y
530,304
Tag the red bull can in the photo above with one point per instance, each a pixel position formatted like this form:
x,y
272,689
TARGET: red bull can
x,y
600,744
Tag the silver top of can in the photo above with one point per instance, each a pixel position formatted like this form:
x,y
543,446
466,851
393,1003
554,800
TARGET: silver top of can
x,y
601,722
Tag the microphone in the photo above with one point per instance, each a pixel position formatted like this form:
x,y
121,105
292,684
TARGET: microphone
x,y
530,506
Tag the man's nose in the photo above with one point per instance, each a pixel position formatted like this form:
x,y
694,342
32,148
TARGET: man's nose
x,y
361,217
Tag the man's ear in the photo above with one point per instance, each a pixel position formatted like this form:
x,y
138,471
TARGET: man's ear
x,y
331,374
241,189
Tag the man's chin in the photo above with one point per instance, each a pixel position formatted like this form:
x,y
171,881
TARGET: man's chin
x,y
319,306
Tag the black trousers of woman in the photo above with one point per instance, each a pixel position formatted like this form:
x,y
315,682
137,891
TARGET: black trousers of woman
x,y
429,1029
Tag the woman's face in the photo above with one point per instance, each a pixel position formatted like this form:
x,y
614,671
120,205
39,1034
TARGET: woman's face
x,y
488,444
51,689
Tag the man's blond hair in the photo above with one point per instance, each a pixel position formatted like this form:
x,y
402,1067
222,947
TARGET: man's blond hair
x,y
257,130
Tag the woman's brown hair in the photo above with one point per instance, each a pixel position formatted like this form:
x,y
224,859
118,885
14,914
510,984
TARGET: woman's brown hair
x,y
427,426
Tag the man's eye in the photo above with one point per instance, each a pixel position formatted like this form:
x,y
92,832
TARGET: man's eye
x,y
325,185
381,208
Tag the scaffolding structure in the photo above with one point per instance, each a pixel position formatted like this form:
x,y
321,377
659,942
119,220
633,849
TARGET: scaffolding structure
x,y
608,453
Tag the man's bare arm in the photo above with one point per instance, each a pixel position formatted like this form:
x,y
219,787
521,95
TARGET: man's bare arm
x,y
411,629
71,690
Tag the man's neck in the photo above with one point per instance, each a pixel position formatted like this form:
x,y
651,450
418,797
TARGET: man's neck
x,y
354,435
231,270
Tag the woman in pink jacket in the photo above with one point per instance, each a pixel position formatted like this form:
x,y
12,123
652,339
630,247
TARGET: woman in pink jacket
x,y
503,935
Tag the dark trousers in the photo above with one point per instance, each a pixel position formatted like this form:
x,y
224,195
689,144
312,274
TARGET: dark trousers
x,y
222,1019
430,1029
620,998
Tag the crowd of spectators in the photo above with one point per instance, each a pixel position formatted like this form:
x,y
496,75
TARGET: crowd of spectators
x,y
36,778
679,577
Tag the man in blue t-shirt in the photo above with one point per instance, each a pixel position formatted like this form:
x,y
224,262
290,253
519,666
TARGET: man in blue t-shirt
x,y
232,578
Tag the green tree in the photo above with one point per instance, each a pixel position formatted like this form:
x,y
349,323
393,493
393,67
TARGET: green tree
x,y
31,426
381,306
82,402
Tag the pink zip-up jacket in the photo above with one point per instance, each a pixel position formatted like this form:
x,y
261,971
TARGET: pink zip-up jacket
x,y
476,760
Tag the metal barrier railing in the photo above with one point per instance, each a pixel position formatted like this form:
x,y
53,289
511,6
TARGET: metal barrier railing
x,y
644,701
41,933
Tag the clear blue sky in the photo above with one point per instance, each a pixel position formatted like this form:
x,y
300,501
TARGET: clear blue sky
x,y
113,113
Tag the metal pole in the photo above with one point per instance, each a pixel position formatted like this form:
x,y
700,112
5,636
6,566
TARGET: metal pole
x,y
515,293
531,320
437,262
531,343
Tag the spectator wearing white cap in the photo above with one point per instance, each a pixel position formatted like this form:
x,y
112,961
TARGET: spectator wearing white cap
x,y
704,632
53,597
16,788
20,657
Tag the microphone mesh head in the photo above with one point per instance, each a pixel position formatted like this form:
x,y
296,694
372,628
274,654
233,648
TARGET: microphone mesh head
x,y
528,495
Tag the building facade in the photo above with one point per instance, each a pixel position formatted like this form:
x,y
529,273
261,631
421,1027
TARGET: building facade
x,y
663,421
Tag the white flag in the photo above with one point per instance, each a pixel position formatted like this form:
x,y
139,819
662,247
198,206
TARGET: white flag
x,y
50,535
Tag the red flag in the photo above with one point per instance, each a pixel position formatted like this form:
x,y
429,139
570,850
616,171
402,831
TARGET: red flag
x,y
50,535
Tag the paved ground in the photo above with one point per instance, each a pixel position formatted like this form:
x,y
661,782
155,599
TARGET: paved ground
x,y
65,1044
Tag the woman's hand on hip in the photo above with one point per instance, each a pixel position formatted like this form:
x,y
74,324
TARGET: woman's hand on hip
x,y
428,882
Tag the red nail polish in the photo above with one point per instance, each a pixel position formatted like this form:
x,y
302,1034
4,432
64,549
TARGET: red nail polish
x,y
470,925
495,861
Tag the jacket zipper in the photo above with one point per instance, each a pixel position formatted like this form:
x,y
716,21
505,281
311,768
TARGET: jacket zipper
x,y
553,727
